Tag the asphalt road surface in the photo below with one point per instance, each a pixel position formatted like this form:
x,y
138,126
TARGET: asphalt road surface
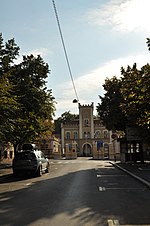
x,y
81,192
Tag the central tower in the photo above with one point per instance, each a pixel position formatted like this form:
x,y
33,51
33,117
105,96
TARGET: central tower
x,y
86,125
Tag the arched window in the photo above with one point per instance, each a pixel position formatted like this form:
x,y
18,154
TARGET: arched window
x,y
68,135
97,134
105,134
86,122
75,135
106,147
88,135
84,135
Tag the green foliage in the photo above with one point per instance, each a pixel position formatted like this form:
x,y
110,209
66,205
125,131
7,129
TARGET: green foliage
x,y
148,43
136,96
109,109
127,100
8,102
65,117
26,106
8,53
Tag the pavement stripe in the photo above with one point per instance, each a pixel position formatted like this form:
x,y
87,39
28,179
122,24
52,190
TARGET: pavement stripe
x,y
113,223
145,182
116,223
112,175
119,188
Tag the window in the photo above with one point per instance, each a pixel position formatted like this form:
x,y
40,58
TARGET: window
x,y
75,135
25,156
68,135
105,134
86,122
42,155
97,134
106,147
84,135
133,147
88,135
137,147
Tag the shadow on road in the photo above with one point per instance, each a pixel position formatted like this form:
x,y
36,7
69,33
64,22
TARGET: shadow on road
x,y
74,194
10,178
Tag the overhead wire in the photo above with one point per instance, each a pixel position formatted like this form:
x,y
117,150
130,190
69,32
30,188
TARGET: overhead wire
x,y
64,48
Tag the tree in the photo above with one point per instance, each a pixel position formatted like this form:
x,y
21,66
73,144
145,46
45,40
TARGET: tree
x,y
37,103
8,102
68,117
126,103
65,117
33,105
109,109
148,43
136,97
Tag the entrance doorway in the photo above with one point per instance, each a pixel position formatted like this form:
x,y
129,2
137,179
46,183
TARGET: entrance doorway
x,y
87,151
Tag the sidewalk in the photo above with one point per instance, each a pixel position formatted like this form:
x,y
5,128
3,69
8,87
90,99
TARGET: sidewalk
x,y
5,169
139,171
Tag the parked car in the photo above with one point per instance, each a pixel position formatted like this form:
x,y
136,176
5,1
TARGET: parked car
x,y
30,160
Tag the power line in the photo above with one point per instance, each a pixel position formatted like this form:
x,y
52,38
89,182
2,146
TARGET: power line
x,y
65,50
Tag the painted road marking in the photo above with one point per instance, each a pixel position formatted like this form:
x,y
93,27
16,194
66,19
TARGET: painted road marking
x,y
109,175
113,175
105,188
142,169
113,223
116,223
102,189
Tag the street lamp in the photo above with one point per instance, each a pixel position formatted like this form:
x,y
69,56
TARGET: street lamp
x,y
75,101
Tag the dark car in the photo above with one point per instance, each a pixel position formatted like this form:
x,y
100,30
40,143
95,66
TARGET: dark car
x,y
30,160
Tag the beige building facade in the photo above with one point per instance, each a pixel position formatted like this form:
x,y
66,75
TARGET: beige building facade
x,y
89,134
50,146
6,153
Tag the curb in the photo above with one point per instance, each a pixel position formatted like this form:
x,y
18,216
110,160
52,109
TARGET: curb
x,y
145,182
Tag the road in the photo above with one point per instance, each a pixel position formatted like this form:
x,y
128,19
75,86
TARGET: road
x,y
81,192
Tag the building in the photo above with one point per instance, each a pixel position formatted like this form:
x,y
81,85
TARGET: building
x,y
133,147
6,153
87,132
50,146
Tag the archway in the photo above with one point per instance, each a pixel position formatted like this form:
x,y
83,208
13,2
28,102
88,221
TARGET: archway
x,y
87,150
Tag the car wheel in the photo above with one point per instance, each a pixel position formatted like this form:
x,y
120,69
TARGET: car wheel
x,y
47,169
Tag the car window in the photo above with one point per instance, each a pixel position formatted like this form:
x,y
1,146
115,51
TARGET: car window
x,y
25,156
38,155
32,156
42,155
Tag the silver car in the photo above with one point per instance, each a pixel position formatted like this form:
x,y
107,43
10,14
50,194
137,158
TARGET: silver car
x,y
30,160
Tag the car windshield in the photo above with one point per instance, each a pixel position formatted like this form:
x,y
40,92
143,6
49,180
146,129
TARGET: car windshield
x,y
25,156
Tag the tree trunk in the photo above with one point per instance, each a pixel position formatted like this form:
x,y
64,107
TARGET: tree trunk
x,y
15,148
141,153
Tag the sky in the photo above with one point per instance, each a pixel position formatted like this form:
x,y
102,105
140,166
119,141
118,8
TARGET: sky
x,y
100,36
